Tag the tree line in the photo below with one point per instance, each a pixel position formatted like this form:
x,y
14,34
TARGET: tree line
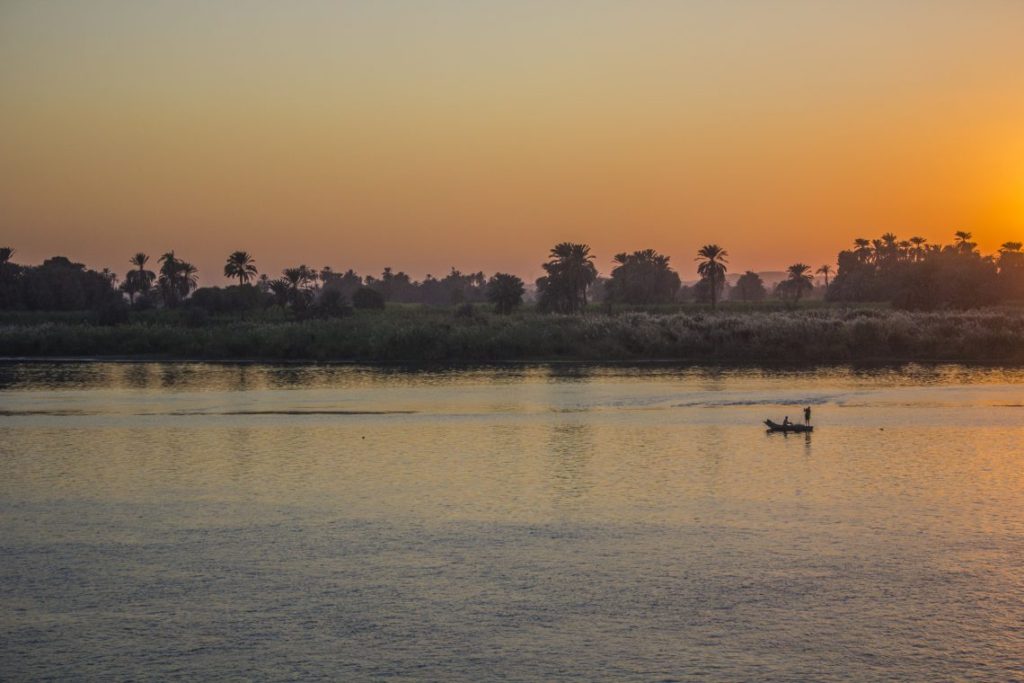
x,y
907,273
914,274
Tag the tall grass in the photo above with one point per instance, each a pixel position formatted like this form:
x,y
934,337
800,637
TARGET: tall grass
x,y
802,336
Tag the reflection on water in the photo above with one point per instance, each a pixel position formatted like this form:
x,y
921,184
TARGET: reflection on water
x,y
570,448
530,522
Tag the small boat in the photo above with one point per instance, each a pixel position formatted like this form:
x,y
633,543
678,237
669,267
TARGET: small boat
x,y
792,427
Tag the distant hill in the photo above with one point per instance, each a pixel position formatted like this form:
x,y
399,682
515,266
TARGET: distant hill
x,y
770,278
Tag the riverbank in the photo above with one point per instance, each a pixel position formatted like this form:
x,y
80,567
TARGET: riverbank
x,y
425,335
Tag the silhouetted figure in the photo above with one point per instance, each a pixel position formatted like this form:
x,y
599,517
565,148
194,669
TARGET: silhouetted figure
x,y
786,422
807,415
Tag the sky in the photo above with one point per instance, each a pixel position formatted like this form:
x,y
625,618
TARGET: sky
x,y
477,134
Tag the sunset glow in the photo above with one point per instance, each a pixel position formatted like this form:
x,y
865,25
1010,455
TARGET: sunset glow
x,y
477,134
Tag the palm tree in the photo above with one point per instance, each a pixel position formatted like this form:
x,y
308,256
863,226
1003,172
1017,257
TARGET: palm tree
x,y
570,271
862,248
1010,256
297,279
139,261
825,270
242,266
281,290
904,249
877,251
643,277
505,292
799,280
917,251
138,281
712,267
189,277
889,240
177,279
963,242
110,276
5,255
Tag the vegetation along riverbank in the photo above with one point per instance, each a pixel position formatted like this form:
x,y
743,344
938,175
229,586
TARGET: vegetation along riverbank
x,y
475,334
888,300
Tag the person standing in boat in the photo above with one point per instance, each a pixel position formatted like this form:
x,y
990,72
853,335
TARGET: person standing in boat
x,y
807,415
786,422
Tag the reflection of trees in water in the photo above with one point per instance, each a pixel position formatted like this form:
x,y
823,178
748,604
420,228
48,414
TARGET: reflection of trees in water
x,y
713,376
47,376
137,375
176,374
289,376
10,376
243,377
55,375
570,450
569,372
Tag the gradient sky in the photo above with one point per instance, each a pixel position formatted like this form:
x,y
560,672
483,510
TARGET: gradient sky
x,y
425,135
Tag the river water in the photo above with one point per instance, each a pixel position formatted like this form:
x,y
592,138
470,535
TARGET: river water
x,y
526,522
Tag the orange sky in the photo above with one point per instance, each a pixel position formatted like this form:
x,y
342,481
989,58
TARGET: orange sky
x,y
476,134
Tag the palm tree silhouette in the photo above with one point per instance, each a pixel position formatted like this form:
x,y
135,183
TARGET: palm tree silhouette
x,y
799,280
297,279
5,255
889,240
505,292
917,251
571,266
825,270
139,280
963,242
242,266
1011,261
712,267
177,279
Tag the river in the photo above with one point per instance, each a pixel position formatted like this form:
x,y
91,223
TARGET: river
x,y
548,522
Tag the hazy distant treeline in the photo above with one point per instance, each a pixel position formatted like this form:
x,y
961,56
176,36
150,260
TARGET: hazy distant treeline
x,y
910,274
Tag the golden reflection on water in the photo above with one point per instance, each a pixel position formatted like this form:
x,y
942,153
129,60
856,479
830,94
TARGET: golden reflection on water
x,y
655,484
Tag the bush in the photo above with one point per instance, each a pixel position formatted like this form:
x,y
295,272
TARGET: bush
x,y
427,334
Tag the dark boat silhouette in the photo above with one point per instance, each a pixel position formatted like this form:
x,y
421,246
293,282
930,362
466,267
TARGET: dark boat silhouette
x,y
776,427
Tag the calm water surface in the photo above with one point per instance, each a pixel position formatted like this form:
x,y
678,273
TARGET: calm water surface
x,y
195,521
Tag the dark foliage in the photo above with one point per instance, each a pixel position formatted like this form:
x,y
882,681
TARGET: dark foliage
x,y
229,299
425,334
56,285
703,292
570,272
749,287
505,291
331,304
368,299
914,275
643,278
